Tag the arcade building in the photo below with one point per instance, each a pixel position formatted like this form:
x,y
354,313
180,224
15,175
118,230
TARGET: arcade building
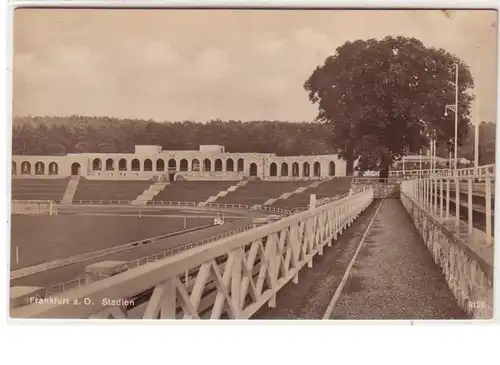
x,y
209,162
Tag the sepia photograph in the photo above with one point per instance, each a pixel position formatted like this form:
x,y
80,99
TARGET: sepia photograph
x,y
253,164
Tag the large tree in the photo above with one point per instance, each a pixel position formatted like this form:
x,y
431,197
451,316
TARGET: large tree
x,y
384,98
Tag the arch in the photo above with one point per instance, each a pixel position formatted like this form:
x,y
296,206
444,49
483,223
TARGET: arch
x,y
39,168
122,164
306,169
26,168
253,169
229,164
273,169
75,168
317,169
218,165
195,165
183,166
172,164
135,165
284,169
97,164
331,168
110,164
295,169
241,165
53,168
207,165
14,168
148,165
160,165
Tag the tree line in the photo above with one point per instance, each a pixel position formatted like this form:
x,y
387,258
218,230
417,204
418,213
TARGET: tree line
x,y
78,134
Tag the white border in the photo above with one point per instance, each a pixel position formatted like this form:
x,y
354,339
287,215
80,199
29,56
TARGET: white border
x,y
234,341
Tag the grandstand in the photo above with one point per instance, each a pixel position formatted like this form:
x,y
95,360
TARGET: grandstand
x,y
107,190
326,189
39,189
192,191
258,192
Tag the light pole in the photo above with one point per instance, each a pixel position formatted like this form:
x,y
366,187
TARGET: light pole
x,y
455,109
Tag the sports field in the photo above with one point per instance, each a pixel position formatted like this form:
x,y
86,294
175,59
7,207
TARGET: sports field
x,y
46,238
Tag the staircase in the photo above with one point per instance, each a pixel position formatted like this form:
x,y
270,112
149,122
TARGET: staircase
x,y
222,193
149,193
70,190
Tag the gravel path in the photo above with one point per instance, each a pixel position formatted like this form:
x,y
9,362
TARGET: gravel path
x,y
394,276
310,297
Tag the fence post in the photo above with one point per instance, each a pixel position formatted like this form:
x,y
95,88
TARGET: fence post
x,y
469,203
447,198
489,233
441,205
457,201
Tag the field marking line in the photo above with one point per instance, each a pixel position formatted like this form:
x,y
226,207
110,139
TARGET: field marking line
x,y
338,292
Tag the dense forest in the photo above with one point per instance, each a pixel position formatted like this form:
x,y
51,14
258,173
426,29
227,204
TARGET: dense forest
x,y
76,134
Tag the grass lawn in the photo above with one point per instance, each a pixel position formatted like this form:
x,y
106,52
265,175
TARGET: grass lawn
x,y
47,238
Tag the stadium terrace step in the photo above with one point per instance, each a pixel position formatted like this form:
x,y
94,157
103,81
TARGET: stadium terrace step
x,y
39,189
109,190
322,189
259,192
192,191
149,193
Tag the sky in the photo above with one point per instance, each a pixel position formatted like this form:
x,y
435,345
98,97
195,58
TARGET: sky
x,y
198,65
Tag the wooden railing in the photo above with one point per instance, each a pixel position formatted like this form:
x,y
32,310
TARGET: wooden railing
x,y
229,278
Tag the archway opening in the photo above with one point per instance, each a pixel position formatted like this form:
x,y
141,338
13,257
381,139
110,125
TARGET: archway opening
x,y
218,165
172,165
75,169
230,165
97,164
135,165
317,169
195,165
53,168
253,169
39,168
306,169
241,165
295,169
184,165
25,168
160,165
273,169
148,165
14,168
331,168
122,165
110,164
207,165
284,169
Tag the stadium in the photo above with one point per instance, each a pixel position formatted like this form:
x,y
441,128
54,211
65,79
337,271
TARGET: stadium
x,y
72,211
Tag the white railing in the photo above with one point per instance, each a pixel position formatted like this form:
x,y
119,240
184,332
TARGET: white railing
x,y
103,201
478,172
376,180
223,205
232,277
172,203
436,194
267,208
